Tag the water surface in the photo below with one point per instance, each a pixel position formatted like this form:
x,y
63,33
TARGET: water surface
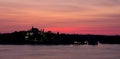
x,y
59,52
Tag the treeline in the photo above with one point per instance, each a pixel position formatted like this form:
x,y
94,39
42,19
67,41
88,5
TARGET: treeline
x,y
34,36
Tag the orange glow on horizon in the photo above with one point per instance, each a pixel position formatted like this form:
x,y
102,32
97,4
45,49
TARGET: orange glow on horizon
x,y
69,16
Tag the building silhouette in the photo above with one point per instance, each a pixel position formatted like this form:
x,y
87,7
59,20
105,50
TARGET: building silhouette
x,y
36,36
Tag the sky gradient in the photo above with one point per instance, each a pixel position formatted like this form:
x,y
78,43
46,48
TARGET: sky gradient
x,y
65,16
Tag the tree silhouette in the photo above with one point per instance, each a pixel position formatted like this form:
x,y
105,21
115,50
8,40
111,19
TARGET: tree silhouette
x,y
35,36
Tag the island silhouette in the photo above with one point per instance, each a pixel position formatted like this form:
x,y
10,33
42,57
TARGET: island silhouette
x,y
40,37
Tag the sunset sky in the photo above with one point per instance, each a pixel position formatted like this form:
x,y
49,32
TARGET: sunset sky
x,y
65,16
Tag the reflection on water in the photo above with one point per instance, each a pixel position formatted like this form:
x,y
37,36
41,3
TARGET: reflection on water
x,y
59,52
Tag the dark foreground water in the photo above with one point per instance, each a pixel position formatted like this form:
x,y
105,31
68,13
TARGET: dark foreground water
x,y
59,52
